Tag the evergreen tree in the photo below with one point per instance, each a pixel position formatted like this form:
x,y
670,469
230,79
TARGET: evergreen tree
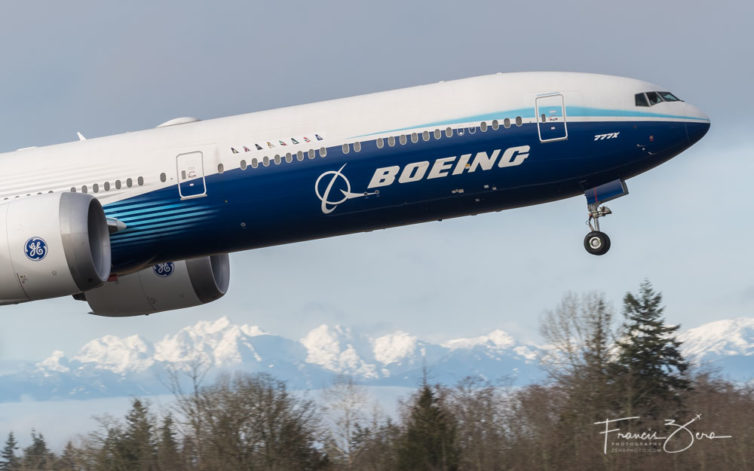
x,y
429,441
168,458
10,461
69,460
649,368
138,447
37,455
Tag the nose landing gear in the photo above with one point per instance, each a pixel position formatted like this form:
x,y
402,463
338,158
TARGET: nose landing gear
x,y
597,242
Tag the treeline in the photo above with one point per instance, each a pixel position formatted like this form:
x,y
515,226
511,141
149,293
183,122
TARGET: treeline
x,y
597,375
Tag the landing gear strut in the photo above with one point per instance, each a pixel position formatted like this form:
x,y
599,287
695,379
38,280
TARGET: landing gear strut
x,y
596,242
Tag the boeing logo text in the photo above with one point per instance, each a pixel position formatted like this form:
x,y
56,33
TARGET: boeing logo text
x,y
446,166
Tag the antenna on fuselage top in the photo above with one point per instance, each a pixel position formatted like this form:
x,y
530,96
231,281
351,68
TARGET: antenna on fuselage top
x,y
81,136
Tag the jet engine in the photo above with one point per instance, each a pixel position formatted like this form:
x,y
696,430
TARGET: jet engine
x,y
162,287
52,245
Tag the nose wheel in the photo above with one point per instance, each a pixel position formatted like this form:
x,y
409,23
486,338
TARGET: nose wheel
x,y
597,242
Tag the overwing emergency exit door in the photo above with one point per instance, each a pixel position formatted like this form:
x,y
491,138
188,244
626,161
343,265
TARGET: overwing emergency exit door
x,y
551,118
190,167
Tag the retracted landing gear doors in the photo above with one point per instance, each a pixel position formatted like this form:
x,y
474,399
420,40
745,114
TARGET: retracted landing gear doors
x,y
190,168
551,118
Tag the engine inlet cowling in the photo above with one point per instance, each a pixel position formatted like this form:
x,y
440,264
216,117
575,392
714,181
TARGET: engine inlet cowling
x,y
54,245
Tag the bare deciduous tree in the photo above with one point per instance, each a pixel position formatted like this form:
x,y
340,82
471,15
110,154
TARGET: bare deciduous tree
x,y
344,405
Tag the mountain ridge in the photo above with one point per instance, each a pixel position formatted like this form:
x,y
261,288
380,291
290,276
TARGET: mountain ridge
x,y
114,366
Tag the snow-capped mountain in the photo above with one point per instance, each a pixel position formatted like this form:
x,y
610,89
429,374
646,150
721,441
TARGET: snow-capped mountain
x,y
110,365
117,366
727,345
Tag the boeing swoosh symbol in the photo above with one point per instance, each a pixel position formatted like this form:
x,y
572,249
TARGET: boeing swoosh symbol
x,y
328,205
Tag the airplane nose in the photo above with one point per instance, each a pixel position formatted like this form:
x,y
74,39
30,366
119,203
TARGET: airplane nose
x,y
696,129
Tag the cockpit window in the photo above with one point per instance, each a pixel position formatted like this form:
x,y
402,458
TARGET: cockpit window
x,y
667,96
654,98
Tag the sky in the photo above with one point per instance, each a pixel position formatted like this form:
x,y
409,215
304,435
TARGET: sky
x,y
103,68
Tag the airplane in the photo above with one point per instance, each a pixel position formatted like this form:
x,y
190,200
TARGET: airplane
x,y
143,222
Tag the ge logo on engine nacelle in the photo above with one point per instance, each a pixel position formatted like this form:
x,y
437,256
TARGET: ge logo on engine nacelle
x,y
35,249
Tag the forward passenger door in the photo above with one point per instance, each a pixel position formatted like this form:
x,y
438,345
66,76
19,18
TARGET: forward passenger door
x,y
191,182
551,117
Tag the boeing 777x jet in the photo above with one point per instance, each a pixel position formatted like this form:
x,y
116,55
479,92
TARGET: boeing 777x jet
x,y
143,222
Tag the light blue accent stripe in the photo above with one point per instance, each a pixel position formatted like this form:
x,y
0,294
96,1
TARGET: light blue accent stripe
x,y
157,233
499,115
572,111
119,206
582,111
140,229
170,215
136,240
152,209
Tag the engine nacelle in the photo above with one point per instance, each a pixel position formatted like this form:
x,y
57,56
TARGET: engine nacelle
x,y
163,287
52,245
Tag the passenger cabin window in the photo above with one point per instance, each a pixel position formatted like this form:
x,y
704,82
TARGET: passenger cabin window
x,y
220,168
402,139
243,165
641,99
107,186
357,146
140,181
95,188
117,184
495,125
380,143
163,177
519,121
483,126
130,183
507,123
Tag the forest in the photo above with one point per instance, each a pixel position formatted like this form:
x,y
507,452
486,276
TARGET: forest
x,y
618,395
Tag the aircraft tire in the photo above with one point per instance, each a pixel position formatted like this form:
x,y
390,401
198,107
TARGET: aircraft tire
x,y
597,243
